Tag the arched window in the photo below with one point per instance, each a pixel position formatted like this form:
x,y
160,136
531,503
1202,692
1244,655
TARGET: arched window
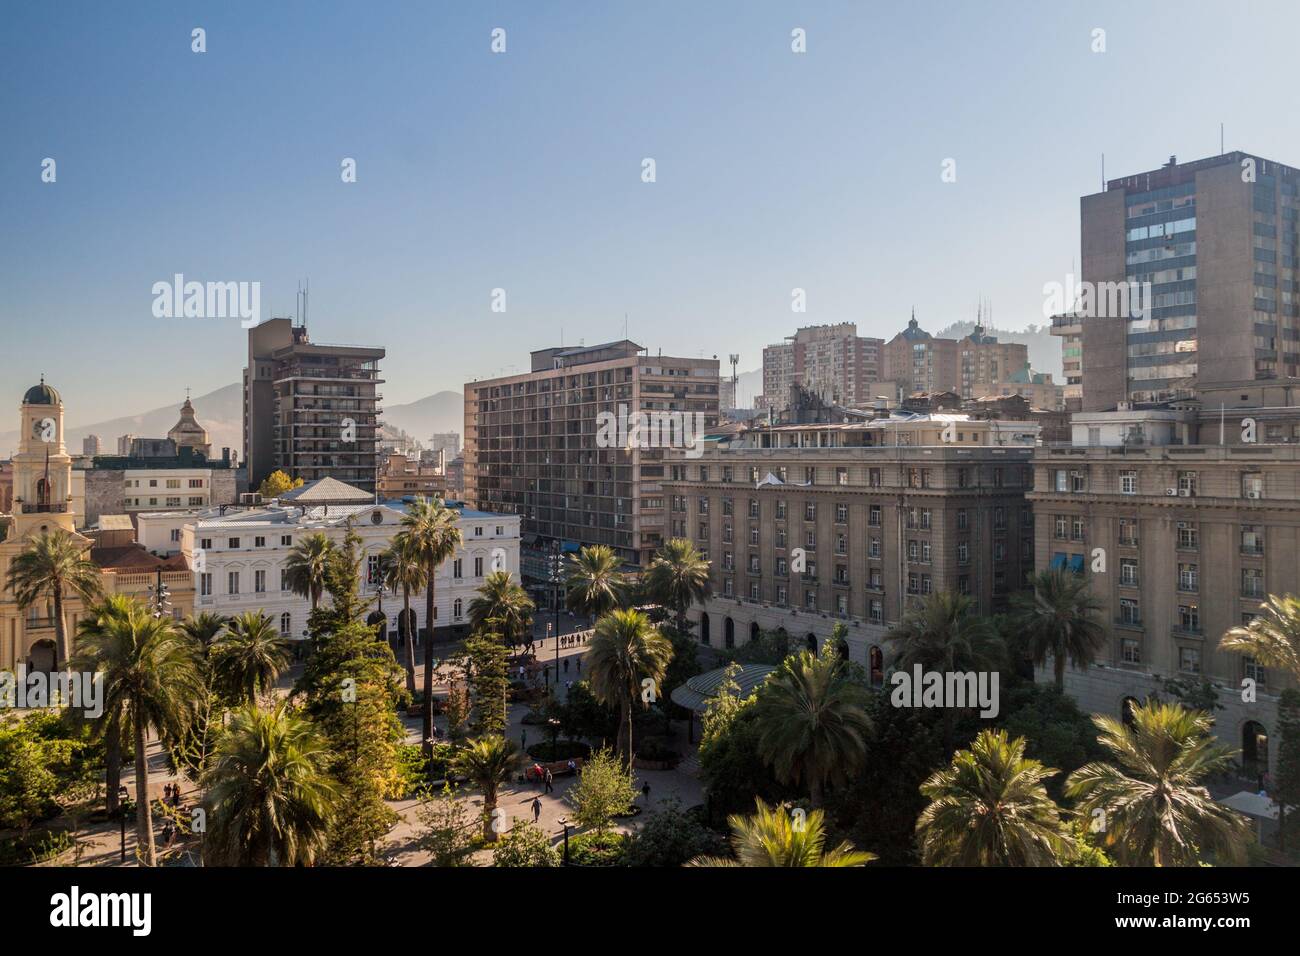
x,y
753,631
456,609
811,641
286,624
729,633
876,661
704,627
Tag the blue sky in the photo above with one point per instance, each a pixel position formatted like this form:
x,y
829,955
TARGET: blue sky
x,y
522,171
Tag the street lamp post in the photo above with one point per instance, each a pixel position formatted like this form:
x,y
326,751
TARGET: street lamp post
x,y
564,822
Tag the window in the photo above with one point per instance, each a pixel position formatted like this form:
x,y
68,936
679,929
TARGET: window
x,y
1189,577
1252,670
1130,612
195,501
1060,527
1252,539
1187,536
780,537
841,476
176,535
780,508
810,600
1078,481
456,569
259,582
286,624
753,590
876,611
232,582
1189,618
874,478
457,608
1252,583
875,580
372,569
753,564
963,552
782,596
810,511
810,540
173,502
284,580
1187,483
1128,572
1252,485
478,567
1189,660
1130,651
873,516
704,506
841,514
205,585
1077,528
782,568
1128,532
841,544
233,544
962,520
873,547
753,507
1128,482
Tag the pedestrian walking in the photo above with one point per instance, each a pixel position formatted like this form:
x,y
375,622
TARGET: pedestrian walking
x,y
566,665
645,792
523,739
537,809
550,781
579,665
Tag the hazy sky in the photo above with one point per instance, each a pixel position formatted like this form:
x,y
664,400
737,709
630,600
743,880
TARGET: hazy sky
x,y
522,170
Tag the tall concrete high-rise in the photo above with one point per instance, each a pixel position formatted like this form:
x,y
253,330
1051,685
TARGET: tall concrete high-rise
x,y
1214,243
310,410
831,361
538,444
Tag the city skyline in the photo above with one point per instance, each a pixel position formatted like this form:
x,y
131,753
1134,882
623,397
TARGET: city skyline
x,y
768,163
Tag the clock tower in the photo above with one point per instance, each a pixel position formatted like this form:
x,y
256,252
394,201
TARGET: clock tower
x,y
42,467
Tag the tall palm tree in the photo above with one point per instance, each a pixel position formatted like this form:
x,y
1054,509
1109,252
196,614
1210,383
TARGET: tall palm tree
x,y
433,532
151,675
1059,620
270,799
625,651
404,571
502,601
110,725
488,762
947,634
774,837
1272,638
1157,812
812,721
990,808
204,628
249,656
53,565
307,566
595,584
679,577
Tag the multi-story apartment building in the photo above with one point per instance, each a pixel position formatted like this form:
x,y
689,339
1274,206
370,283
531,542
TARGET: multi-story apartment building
x,y
915,361
534,443
310,410
1181,542
831,361
239,560
1069,328
807,526
1215,242
405,477
445,441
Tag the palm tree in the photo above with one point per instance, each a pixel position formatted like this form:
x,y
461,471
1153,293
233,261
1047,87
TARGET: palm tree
x,y
488,762
773,837
626,651
1272,638
204,628
1058,620
53,564
404,571
249,656
109,726
679,577
433,533
151,676
307,566
989,808
594,583
506,604
947,634
812,721
1155,808
270,799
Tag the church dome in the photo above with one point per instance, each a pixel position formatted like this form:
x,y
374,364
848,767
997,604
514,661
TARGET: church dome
x,y
42,394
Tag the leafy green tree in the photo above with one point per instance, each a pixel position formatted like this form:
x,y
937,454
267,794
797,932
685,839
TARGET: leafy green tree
x,y
678,577
488,663
625,652
774,836
270,799
404,572
604,791
152,678
1056,732
732,764
503,606
306,566
433,533
1157,811
54,565
1286,787
525,845
448,836
671,836
990,808
812,722
204,628
1059,619
488,762
248,657
595,582
110,726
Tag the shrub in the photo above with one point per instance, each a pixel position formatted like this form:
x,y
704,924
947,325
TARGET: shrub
x,y
598,849
671,836
525,845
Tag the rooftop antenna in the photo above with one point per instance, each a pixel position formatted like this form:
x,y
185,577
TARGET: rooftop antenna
x,y
305,289
735,398
1220,139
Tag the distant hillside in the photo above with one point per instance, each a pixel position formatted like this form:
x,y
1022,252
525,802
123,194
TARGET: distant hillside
x,y
1044,350
220,412
439,412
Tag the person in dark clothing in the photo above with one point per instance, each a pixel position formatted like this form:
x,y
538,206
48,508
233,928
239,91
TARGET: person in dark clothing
x,y
550,778
537,809
566,665
645,792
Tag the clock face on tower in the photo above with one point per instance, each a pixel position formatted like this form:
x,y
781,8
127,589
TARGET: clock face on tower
x,y
43,429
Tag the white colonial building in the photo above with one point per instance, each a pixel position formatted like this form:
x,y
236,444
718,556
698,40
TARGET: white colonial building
x,y
239,557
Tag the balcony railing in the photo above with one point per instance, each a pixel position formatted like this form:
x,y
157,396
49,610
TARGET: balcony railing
x,y
31,509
